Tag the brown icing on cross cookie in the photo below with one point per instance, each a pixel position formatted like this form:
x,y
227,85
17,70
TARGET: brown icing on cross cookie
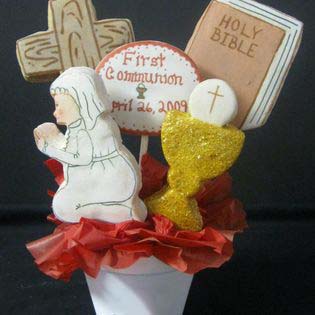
x,y
74,38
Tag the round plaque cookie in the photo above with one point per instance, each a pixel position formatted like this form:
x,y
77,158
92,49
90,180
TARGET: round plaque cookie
x,y
144,80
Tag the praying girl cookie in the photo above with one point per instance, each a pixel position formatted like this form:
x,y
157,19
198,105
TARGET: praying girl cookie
x,y
101,177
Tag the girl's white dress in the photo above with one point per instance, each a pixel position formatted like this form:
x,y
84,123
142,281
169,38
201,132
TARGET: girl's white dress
x,y
101,176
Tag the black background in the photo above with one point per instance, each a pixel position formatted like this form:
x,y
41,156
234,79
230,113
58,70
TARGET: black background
x,y
271,272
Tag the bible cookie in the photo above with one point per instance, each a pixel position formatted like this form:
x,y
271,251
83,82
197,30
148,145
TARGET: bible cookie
x,y
252,47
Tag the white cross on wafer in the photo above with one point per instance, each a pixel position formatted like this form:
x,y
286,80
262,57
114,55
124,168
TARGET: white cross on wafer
x,y
213,101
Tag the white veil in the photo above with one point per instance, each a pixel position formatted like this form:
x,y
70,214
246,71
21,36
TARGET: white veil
x,y
87,89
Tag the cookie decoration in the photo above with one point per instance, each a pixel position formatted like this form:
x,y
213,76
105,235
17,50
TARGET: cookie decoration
x,y
213,101
195,151
251,46
145,80
101,177
74,38
197,102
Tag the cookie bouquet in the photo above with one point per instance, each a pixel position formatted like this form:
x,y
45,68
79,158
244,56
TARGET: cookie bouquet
x,y
140,230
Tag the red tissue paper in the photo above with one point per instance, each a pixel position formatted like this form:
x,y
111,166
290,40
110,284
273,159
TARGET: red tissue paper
x,y
91,244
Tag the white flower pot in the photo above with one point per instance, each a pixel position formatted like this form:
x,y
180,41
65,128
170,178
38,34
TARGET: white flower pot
x,y
149,287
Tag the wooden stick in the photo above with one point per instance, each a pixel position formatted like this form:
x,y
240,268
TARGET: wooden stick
x,y
143,147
